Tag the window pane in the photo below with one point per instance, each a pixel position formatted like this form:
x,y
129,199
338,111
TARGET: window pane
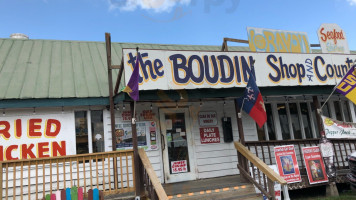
x,y
295,120
97,130
81,131
346,109
314,113
283,119
306,120
338,110
261,133
270,122
326,109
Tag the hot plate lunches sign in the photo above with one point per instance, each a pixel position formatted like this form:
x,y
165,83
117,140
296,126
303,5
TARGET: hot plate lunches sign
x,y
169,70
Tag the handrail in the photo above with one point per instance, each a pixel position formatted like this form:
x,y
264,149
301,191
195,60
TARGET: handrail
x,y
259,164
161,194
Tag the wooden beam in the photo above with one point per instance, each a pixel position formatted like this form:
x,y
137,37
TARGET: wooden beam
x,y
259,164
314,45
115,66
236,40
118,80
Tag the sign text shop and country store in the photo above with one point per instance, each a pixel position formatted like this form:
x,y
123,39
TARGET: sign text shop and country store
x,y
169,70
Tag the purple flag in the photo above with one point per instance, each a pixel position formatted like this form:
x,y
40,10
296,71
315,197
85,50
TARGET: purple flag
x,y
132,86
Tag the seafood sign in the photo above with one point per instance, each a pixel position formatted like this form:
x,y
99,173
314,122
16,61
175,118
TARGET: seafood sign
x,y
338,129
287,163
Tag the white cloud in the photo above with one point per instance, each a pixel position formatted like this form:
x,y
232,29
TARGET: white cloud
x,y
352,2
155,5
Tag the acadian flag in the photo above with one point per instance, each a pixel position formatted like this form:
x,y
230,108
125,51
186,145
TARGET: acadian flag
x,y
132,86
347,85
252,102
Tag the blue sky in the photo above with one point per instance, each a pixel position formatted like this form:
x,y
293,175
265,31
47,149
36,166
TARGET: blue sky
x,y
203,22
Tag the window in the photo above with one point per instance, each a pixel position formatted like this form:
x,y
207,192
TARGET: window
x,y
346,108
306,120
81,131
283,119
325,110
97,130
270,123
295,121
314,112
90,139
338,111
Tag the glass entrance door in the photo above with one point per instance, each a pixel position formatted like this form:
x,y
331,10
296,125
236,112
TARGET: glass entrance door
x,y
176,140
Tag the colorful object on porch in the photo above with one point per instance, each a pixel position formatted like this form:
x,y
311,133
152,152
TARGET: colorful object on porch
x,y
48,197
80,193
96,194
53,196
74,193
314,165
90,194
58,195
347,85
68,196
63,194
252,102
338,129
132,86
287,163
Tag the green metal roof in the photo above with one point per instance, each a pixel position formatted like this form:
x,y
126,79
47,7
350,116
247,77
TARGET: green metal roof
x,y
52,69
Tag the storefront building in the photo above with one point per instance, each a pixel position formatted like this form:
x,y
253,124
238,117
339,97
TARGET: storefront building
x,y
54,101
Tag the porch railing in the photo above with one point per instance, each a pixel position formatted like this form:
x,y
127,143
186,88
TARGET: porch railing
x,y
111,172
152,185
262,176
265,150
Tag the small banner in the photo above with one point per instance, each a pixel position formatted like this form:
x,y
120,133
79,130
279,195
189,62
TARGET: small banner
x,y
338,129
314,164
287,163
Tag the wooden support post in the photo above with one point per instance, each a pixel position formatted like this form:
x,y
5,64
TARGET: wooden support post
x,y
271,188
111,99
241,159
135,149
1,170
318,118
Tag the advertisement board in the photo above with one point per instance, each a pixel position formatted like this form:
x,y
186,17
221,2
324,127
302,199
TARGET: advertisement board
x,y
287,163
338,129
173,70
37,136
271,40
314,165
332,39
209,135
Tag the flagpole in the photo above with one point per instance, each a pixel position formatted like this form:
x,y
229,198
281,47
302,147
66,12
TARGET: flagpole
x,y
353,67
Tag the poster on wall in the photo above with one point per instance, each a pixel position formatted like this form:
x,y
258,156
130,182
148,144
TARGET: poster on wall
x,y
146,135
287,163
209,135
338,129
37,136
332,39
179,166
314,165
207,118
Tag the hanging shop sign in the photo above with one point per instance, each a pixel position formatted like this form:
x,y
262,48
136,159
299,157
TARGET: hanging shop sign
x,y
37,136
287,163
179,166
314,165
173,70
271,40
209,135
332,39
146,135
207,118
338,129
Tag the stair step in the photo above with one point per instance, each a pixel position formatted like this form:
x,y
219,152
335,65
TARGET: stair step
x,y
237,192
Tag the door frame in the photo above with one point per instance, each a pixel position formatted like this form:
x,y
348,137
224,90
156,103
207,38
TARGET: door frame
x,y
179,177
